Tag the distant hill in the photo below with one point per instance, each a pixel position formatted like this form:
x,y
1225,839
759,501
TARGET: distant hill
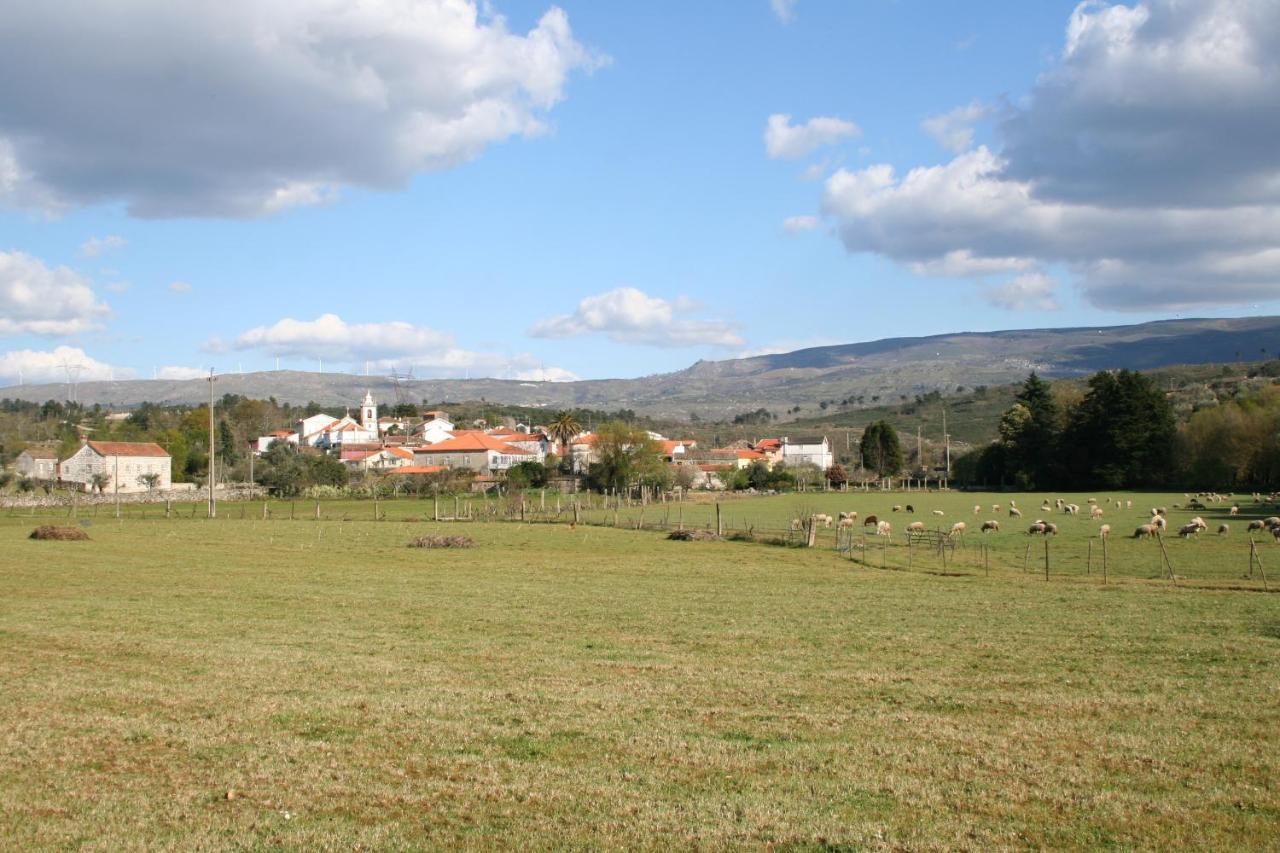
x,y
868,373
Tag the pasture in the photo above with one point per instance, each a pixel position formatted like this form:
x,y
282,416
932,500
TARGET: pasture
x,y
186,683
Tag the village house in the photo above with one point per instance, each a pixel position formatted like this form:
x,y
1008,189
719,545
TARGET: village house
x,y
435,428
474,451
376,458
815,452
129,466
38,463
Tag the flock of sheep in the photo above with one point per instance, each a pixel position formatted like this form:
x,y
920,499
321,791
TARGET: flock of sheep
x,y
1152,528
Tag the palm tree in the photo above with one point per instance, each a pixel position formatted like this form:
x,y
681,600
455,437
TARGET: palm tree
x,y
563,428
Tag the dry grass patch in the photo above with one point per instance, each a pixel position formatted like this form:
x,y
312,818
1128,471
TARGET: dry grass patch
x,y
442,542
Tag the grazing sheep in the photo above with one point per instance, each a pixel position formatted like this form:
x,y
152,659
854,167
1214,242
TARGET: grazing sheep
x,y
1158,521
1272,521
937,512
1235,510
1096,512
910,508
845,524
1128,504
848,516
1275,532
991,526
1044,507
1014,512
1038,527
1257,524
1050,528
1188,530
1104,532
915,527
1144,531
977,509
1071,509
883,528
995,507
897,508
1224,529
823,519
1058,502
1012,502
870,521
957,529
797,524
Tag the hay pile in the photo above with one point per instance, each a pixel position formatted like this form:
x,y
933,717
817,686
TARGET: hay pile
x,y
442,542
694,536
67,534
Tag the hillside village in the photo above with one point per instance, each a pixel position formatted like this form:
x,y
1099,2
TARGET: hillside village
x,y
431,443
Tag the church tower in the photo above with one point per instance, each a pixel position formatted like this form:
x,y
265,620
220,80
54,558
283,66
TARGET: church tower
x,y
369,413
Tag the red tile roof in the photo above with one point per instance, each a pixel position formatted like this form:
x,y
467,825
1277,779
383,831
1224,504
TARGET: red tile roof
x,y
472,442
127,448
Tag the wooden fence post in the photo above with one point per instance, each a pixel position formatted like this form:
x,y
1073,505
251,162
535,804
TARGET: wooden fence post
x,y
1046,558
1104,561
720,521
1088,564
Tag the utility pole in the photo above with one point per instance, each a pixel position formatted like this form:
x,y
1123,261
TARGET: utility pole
x,y
213,506
946,436
919,448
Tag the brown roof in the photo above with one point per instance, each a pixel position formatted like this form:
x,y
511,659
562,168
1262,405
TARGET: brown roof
x,y
471,441
40,453
128,448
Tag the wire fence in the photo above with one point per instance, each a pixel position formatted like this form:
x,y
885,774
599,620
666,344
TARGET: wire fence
x,y
1204,561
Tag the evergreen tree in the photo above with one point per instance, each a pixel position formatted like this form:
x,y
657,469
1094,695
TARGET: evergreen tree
x,y
1121,435
881,449
1029,432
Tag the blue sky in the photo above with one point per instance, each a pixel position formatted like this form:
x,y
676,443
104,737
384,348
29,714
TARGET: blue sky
x,y
178,193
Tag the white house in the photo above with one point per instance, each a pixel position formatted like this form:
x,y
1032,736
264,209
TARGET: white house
x,y
311,431
128,466
435,430
473,450
263,442
38,463
385,459
818,453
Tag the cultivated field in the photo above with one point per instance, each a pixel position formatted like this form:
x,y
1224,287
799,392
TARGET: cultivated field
x,y
192,683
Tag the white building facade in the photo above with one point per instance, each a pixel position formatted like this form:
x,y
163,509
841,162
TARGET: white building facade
x,y
129,466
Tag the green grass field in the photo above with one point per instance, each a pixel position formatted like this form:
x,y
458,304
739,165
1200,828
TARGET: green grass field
x,y
193,683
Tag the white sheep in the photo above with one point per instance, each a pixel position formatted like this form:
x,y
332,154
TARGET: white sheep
x,y
1014,512
957,529
915,527
1096,512
991,526
1224,529
883,528
1104,532
937,512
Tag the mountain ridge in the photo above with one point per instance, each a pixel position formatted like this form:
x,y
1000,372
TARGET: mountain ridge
x,y
883,368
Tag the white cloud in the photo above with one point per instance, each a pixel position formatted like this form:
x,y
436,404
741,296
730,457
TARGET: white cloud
x,y
41,366
785,10
549,374
38,300
954,130
180,373
787,345
1146,164
95,246
384,346
1034,291
628,315
787,141
799,224
179,287
117,286
246,107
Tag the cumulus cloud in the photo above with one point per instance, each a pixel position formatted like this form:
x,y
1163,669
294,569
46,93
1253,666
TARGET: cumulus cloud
x,y
799,224
384,346
39,300
785,10
41,366
1197,223
245,107
786,141
631,316
95,246
954,130
1033,291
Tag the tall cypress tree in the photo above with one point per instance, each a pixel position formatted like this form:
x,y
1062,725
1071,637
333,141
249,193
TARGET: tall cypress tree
x,y
1031,450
